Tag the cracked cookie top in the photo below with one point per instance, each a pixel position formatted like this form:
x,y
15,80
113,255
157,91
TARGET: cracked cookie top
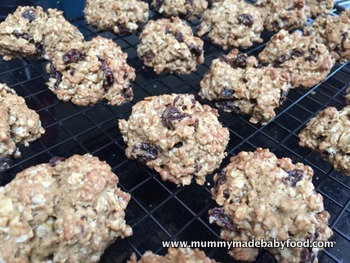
x,y
307,61
287,14
122,16
238,85
30,31
91,72
334,33
52,212
328,133
263,197
232,23
169,45
184,8
18,123
175,135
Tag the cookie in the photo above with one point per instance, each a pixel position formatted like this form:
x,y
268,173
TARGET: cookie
x,y
123,16
320,7
307,61
64,211
169,45
288,14
32,32
328,133
18,123
184,8
262,197
175,135
333,32
232,23
91,72
238,85
180,255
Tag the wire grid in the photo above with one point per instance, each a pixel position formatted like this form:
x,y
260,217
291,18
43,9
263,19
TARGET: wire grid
x,y
160,211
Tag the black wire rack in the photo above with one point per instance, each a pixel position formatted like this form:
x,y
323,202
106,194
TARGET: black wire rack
x,y
160,211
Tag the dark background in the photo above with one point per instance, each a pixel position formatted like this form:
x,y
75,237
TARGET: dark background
x,y
158,210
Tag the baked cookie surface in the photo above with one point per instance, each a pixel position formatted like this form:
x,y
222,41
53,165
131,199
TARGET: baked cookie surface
x,y
263,197
91,72
122,16
287,14
175,135
65,211
333,32
18,123
180,255
328,133
239,86
30,31
232,23
320,7
169,45
307,61
184,8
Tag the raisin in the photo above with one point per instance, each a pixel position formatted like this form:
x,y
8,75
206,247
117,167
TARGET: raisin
x,y
179,36
221,219
196,50
297,53
29,14
228,105
178,145
220,178
226,94
108,74
310,58
56,75
145,152
226,194
240,61
344,37
294,176
246,20
196,167
280,60
172,113
158,4
72,56
19,35
189,2
127,92
148,56
54,160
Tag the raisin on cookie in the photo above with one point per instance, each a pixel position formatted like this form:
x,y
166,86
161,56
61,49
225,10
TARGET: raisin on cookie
x,y
18,123
287,14
232,23
307,61
64,211
178,255
184,8
262,197
169,45
175,135
238,85
328,133
30,31
90,72
334,33
122,16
